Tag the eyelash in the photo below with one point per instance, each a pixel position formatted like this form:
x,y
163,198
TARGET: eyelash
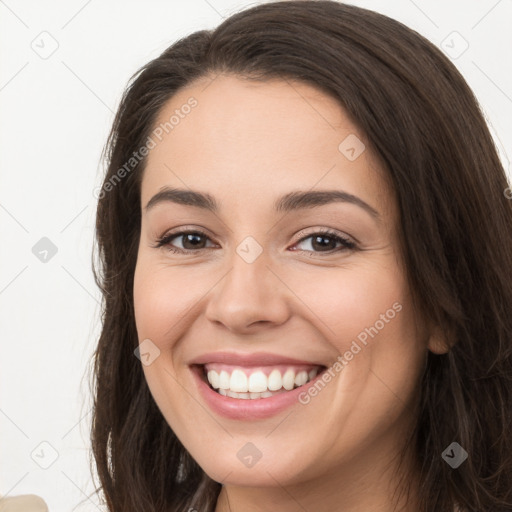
x,y
166,239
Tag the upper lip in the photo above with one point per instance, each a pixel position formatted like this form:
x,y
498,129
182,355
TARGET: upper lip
x,y
245,359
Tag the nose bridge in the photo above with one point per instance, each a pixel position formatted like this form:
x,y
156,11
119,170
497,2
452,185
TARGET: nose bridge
x,y
250,271
250,250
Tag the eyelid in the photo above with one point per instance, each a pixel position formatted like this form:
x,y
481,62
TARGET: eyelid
x,y
304,233
185,229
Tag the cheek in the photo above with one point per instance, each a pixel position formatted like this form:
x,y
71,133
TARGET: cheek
x,y
350,303
163,298
366,315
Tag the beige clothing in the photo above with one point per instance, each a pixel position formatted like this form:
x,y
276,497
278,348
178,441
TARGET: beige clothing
x,y
23,503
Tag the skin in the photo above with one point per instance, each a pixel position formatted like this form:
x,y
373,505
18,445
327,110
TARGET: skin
x,y
247,144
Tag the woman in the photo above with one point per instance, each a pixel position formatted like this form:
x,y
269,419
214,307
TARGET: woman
x,y
305,247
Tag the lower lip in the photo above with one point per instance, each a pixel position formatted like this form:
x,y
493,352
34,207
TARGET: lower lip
x,y
240,409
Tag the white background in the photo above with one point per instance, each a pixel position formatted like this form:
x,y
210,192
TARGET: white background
x,y
55,117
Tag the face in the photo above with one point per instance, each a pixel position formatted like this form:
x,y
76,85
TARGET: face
x,y
282,341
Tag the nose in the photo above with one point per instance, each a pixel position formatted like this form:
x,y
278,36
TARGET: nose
x,y
248,296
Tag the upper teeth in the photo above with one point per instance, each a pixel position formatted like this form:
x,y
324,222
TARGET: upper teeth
x,y
257,381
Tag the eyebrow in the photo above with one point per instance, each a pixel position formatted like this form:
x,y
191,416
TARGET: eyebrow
x,y
289,202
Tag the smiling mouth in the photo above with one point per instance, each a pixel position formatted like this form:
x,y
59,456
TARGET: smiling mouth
x,y
254,383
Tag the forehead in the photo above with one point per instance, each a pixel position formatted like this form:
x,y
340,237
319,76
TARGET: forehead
x,y
260,140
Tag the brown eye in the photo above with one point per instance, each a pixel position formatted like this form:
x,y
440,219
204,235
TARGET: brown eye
x,y
327,241
190,241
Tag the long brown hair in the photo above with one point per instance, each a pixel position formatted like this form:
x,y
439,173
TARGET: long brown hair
x,y
455,225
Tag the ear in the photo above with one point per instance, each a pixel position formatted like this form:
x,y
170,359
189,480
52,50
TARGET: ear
x,y
439,342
